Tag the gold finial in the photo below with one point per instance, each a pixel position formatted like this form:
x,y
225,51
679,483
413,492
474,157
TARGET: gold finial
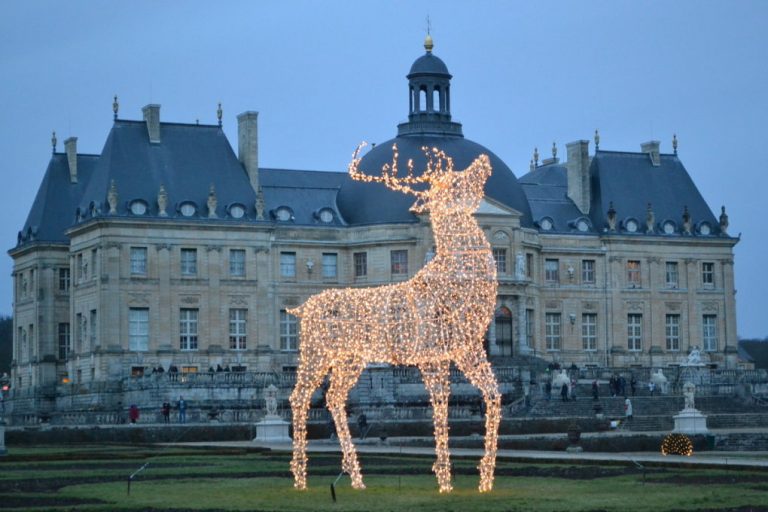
x,y
554,150
428,44
536,156
219,113
115,107
53,141
597,140
674,142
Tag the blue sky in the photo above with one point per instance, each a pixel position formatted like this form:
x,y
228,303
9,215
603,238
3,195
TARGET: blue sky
x,y
325,75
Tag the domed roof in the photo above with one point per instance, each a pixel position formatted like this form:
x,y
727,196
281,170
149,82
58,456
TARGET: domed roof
x,y
429,64
373,203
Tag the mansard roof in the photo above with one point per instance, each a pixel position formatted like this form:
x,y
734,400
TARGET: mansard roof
x,y
546,188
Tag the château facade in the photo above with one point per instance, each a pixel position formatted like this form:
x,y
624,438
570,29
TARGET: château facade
x,y
169,249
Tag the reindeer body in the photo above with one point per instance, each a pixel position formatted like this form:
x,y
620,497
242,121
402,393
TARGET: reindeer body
x,y
437,317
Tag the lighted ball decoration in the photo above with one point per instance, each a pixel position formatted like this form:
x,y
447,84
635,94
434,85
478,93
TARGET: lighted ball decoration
x,y
435,318
677,444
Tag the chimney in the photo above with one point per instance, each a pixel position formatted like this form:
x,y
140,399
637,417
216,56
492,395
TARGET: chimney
x,y
578,175
652,148
152,117
70,146
248,145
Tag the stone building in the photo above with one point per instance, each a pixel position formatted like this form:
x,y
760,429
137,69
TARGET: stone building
x,y
168,249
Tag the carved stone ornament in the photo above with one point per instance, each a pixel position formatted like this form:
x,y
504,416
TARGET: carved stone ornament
x,y
672,306
589,306
634,305
190,299
552,304
112,198
650,219
611,217
162,201
500,235
291,301
139,299
270,400
212,203
710,306
238,300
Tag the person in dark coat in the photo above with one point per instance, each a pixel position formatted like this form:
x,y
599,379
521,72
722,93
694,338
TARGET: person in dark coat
x,y
133,413
564,392
594,390
166,412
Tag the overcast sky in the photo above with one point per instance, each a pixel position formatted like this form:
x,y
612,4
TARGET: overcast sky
x,y
325,75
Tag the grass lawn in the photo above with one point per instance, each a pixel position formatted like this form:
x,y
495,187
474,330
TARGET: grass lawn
x,y
187,479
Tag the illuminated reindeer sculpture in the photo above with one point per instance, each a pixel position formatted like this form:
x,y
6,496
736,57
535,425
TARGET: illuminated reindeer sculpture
x,y
437,317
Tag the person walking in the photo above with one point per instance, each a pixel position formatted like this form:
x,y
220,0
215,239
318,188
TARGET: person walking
x,y
633,384
564,392
166,412
594,389
182,410
133,413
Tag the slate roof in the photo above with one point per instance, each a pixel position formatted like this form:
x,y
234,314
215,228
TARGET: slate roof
x,y
53,209
306,193
754,351
546,188
429,64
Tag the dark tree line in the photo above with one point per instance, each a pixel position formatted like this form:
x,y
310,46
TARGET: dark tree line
x,y
6,343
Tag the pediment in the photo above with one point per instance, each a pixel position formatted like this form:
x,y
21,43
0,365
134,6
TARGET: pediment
x,y
489,206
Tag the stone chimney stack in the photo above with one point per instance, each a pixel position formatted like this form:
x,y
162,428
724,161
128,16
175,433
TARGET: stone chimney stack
x,y
70,146
579,188
248,145
152,118
652,148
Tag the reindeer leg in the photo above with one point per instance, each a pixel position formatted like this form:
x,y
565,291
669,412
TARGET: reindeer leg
x,y
477,369
437,380
343,378
306,383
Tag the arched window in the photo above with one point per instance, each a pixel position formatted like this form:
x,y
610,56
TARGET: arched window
x,y
504,333
436,100
422,99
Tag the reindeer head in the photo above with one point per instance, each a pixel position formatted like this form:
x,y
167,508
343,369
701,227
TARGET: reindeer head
x,y
439,189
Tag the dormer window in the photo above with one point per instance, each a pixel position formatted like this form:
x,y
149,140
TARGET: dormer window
x,y
582,225
325,215
138,207
669,227
631,225
284,214
705,229
546,224
237,211
188,209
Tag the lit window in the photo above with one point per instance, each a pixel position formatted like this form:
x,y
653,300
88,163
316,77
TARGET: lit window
x,y
289,331
633,273
237,328
634,332
138,261
709,332
708,274
189,262
138,329
672,332
329,265
399,262
588,271
361,264
188,329
552,327
589,331
672,275
552,271
288,264
237,211
237,262
500,256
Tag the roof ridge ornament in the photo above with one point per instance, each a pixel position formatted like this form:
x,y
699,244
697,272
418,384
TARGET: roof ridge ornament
x,y
686,221
674,142
536,156
597,140
723,221
611,217
554,150
219,114
162,201
115,107
650,219
54,140
212,202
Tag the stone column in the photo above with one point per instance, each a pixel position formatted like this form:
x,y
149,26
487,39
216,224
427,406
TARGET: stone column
x,y
523,348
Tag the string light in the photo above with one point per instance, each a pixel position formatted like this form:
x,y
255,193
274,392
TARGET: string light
x,y
437,317
677,444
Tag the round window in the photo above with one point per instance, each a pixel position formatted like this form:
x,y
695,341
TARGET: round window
x,y
138,207
188,209
283,213
326,215
631,225
237,211
669,227
546,224
704,228
582,225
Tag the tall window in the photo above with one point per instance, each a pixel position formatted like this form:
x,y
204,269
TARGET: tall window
x,y
237,328
588,271
361,264
589,331
138,261
552,328
94,260
288,264
529,265
709,332
188,329
237,263
672,275
189,262
672,332
529,327
398,262
633,273
79,267
64,279
64,341
552,271
93,327
138,329
79,332
289,331
330,261
708,274
634,332
500,256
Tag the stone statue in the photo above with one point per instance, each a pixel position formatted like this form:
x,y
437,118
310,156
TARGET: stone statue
x,y
212,203
688,392
520,266
660,381
270,400
112,198
694,358
162,201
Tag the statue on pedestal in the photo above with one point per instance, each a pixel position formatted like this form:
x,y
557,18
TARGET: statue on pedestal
x,y
689,390
270,400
